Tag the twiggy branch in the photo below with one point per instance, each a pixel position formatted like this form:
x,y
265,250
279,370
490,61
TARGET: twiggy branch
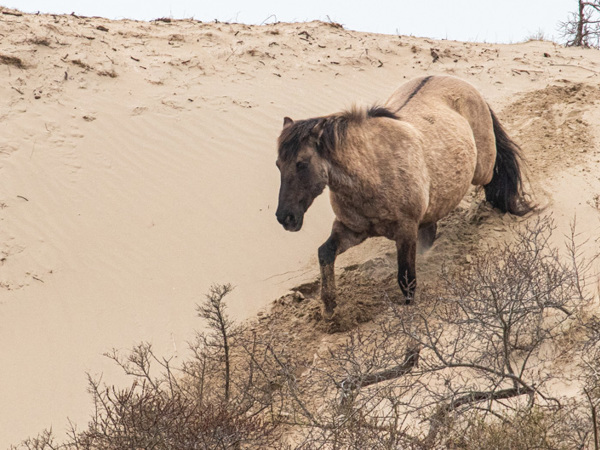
x,y
411,360
472,397
594,419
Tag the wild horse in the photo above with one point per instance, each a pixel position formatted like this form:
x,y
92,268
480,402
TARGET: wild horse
x,y
395,170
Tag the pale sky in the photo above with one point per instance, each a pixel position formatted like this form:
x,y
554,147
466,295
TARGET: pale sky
x,y
465,20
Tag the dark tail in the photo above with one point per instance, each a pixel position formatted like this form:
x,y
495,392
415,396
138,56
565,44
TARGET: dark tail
x,y
505,191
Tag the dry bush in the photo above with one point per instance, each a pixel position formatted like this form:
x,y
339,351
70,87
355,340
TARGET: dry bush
x,y
470,365
590,363
157,414
539,35
530,429
477,348
204,405
582,28
43,441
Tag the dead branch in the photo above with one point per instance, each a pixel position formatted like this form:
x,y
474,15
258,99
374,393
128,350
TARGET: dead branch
x,y
473,397
411,360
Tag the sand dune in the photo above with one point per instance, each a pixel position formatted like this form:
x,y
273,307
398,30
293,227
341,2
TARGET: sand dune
x,y
137,168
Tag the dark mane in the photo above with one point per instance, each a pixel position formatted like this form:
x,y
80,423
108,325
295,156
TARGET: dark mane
x,y
326,133
380,111
298,134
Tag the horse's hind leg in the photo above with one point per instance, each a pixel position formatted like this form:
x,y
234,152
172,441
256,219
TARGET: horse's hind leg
x,y
427,234
340,240
406,245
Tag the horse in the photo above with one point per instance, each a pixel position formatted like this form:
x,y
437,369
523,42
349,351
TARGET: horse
x,y
395,169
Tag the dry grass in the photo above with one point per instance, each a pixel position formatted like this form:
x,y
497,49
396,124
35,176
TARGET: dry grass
x,y
81,64
12,61
539,35
595,201
108,73
39,41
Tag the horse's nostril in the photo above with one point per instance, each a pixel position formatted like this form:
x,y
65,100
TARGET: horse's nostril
x,y
286,219
289,219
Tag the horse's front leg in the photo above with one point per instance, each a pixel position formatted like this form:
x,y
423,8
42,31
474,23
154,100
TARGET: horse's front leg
x,y
406,246
340,240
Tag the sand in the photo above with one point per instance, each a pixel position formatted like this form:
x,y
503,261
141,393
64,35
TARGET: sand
x,y
137,168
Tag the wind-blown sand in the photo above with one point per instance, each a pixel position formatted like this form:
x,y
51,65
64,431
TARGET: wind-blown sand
x,y
137,168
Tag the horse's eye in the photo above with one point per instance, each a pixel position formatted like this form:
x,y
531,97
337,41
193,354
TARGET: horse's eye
x,y
301,165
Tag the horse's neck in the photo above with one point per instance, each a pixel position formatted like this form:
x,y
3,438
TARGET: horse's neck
x,y
340,179
346,176
353,165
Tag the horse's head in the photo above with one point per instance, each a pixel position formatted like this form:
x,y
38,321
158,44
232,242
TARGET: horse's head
x,y
304,172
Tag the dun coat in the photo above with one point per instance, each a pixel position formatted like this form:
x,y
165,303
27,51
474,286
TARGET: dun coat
x,y
395,170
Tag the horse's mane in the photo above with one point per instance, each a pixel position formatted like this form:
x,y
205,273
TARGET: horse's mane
x,y
326,133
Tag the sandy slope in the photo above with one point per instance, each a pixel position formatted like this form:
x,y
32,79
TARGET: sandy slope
x,y
137,168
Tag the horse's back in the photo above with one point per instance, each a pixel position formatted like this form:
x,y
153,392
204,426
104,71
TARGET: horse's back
x,y
459,144
439,101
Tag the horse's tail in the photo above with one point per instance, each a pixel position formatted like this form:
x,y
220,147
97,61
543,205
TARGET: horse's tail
x,y
505,191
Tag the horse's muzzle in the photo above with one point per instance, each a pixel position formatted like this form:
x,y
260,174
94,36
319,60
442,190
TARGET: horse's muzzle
x,y
290,221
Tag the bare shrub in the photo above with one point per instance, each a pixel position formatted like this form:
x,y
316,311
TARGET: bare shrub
x,y
527,429
213,311
157,412
470,365
43,441
582,28
590,363
477,348
539,35
199,406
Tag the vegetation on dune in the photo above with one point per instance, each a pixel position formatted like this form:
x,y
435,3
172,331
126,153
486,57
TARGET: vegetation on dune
x,y
481,360
582,28
474,364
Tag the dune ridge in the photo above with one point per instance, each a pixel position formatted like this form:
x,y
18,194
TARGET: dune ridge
x,y
137,168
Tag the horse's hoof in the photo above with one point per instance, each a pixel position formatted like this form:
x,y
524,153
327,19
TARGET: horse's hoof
x,y
333,326
327,314
328,308
332,323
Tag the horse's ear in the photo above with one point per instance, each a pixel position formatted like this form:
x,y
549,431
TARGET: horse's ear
x,y
287,122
